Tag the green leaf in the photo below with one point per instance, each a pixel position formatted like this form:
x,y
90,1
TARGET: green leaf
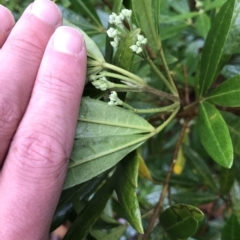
x,y
214,135
214,4
178,18
227,94
82,225
203,24
194,198
211,61
146,21
126,190
124,55
65,208
117,4
113,234
172,31
231,229
233,123
156,4
89,10
181,6
181,220
130,166
201,167
92,49
235,199
104,136
226,181
97,119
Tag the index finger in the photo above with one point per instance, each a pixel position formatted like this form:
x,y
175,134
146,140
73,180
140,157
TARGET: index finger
x,y
34,170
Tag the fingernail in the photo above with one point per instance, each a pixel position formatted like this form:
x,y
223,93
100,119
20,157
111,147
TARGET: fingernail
x,y
6,19
67,40
47,11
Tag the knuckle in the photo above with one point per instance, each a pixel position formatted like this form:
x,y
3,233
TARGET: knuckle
x,y
25,47
57,82
10,115
39,155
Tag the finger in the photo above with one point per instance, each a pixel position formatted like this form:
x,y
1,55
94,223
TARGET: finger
x,y
20,58
34,170
6,24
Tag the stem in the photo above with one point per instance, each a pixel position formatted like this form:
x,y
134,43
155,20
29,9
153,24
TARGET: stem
x,y
156,70
159,129
167,70
93,70
165,188
161,93
191,105
124,87
137,79
118,76
152,110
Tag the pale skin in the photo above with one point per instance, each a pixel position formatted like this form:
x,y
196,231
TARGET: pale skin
x,y
42,74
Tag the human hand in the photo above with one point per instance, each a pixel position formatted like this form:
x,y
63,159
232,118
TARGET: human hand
x,y
42,75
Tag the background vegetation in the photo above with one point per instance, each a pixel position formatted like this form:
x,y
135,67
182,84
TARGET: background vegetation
x,y
186,169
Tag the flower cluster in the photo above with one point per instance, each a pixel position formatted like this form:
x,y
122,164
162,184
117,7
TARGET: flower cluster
x,y
141,41
114,33
100,82
114,100
117,20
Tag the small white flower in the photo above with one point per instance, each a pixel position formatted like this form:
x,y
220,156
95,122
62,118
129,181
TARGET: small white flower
x,y
112,18
92,77
119,21
199,4
112,32
138,43
144,41
140,37
139,50
114,100
117,39
126,13
113,96
111,103
121,16
114,44
134,48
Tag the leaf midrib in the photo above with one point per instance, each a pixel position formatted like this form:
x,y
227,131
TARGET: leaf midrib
x,y
116,124
216,65
210,128
142,139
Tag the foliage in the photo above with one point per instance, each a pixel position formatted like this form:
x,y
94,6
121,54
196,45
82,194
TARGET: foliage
x,y
171,72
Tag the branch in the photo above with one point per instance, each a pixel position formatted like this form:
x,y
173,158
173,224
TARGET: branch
x,y
166,184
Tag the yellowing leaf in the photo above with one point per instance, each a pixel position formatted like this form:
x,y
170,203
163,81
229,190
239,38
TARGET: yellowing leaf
x,y
143,169
180,162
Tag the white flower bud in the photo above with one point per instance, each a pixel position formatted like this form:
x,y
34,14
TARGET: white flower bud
x,y
140,37
111,104
134,48
144,41
112,32
138,43
113,96
103,87
139,50
92,77
126,13
117,39
119,21
114,44
112,18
